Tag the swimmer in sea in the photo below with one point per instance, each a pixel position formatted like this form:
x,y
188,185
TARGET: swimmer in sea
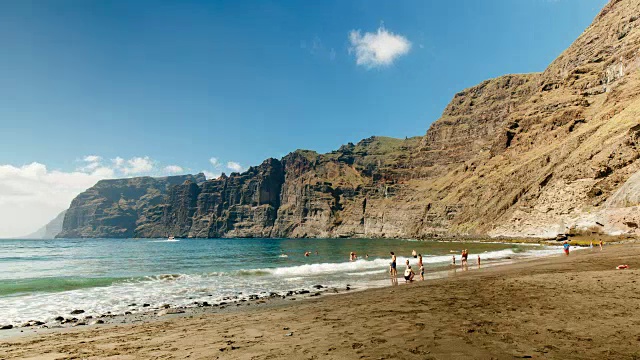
x,y
392,266
306,253
414,254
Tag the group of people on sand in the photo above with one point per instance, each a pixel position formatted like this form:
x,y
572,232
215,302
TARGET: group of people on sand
x,y
464,258
409,274
566,246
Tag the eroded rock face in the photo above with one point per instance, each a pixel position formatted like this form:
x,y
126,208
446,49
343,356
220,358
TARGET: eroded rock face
x,y
113,208
519,155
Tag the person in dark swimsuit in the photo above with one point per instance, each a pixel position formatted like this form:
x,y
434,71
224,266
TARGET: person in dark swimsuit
x,y
392,266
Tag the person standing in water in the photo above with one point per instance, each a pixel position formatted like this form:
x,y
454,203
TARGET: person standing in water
x,y
465,254
478,260
420,267
414,254
453,260
392,266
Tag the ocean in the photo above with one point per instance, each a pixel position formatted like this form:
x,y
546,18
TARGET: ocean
x,y
42,279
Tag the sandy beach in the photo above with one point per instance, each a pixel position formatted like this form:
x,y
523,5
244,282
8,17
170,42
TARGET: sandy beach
x,y
556,307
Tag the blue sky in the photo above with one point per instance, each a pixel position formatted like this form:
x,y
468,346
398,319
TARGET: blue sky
x,y
175,83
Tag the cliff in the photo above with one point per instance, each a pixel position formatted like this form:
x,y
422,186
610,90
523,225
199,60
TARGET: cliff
x,y
113,208
519,155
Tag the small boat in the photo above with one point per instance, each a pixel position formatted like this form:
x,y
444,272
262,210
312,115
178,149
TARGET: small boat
x,y
171,238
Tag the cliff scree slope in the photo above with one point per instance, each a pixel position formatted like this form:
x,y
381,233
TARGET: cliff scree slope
x,y
520,155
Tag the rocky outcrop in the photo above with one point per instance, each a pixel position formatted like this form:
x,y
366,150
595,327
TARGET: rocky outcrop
x,y
113,208
520,155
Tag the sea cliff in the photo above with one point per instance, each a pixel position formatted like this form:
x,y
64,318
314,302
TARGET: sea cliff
x,y
529,155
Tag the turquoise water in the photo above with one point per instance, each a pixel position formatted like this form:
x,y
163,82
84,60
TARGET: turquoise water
x,y
41,279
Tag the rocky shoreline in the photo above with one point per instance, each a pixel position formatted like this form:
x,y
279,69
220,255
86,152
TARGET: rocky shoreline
x,y
145,312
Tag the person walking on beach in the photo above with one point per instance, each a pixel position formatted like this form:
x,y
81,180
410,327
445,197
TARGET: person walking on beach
x,y
600,245
453,260
421,267
478,260
408,273
392,266
566,248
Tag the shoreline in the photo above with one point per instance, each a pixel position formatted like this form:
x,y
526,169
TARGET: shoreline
x,y
360,306
139,312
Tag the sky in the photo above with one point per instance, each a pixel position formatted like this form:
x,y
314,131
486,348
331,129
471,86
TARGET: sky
x,y
105,89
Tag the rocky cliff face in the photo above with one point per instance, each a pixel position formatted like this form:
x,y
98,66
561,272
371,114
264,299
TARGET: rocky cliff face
x,y
114,208
519,155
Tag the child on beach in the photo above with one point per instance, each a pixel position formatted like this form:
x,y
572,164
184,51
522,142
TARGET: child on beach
x,y
566,248
421,272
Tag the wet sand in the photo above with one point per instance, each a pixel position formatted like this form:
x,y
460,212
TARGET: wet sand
x,y
557,307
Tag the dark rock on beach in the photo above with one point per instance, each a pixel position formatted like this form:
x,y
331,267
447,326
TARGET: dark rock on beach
x,y
6,327
76,312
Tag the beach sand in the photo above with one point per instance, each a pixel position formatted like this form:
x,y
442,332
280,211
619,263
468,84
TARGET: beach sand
x,y
557,307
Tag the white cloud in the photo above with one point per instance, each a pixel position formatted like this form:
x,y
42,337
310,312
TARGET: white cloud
x,y
92,158
214,161
173,169
31,195
234,166
137,165
118,162
377,49
210,175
